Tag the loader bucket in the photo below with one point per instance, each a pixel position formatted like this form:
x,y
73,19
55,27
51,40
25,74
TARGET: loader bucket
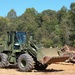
x,y
49,56
49,60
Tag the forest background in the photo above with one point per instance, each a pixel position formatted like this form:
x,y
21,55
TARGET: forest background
x,y
49,27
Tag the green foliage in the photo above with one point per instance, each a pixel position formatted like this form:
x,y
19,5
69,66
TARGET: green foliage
x,y
3,25
47,42
51,28
11,14
72,6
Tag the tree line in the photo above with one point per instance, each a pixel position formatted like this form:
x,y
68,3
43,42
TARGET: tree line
x,y
50,27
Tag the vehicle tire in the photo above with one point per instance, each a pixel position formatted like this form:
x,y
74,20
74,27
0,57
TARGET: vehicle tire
x,y
39,66
3,60
25,62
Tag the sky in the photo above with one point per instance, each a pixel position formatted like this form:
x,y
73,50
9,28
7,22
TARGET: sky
x,y
40,5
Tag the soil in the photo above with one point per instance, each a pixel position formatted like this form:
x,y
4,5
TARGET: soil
x,y
53,69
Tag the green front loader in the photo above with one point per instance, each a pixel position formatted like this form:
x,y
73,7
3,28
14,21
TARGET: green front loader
x,y
18,49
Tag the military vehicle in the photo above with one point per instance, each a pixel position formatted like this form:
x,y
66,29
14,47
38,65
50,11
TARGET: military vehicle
x,y
18,49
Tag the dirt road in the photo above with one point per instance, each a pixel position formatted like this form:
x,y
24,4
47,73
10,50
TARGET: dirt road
x,y
53,69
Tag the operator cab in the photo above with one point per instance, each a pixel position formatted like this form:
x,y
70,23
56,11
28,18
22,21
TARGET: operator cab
x,y
16,39
19,39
